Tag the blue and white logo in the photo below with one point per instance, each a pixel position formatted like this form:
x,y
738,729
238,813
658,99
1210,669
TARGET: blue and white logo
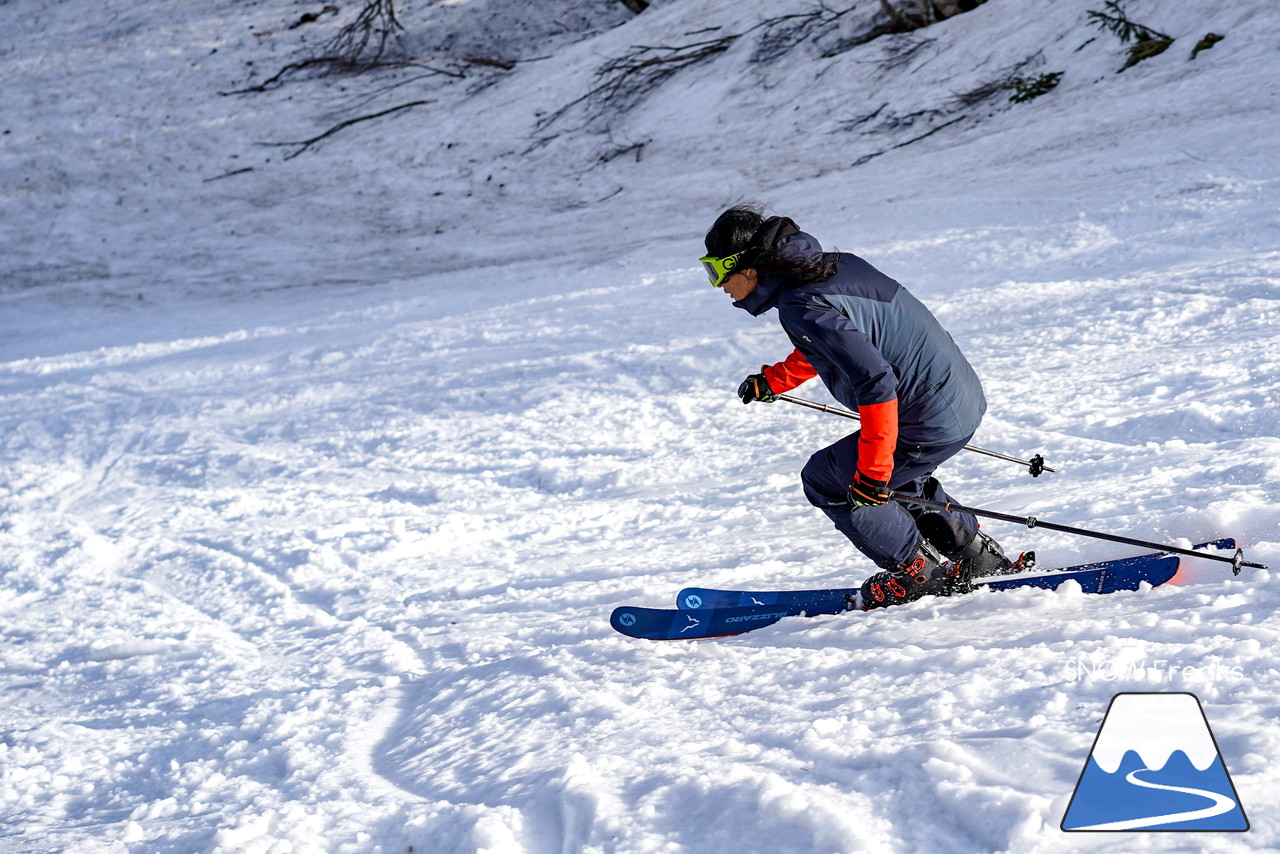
x,y
1155,766
693,601
627,620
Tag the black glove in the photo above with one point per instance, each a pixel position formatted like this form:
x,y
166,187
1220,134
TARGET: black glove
x,y
756,387
868,492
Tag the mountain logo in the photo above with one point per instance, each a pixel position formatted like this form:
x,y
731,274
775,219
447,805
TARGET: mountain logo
x,y
1155,766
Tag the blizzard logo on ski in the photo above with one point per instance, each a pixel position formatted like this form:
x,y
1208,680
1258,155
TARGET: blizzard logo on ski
x,y
694,602
748,618
1155,766
627,620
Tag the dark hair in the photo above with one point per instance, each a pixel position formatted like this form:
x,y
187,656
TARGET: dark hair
x,y
745,228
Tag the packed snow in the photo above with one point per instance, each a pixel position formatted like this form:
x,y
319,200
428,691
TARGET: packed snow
x,y
321,475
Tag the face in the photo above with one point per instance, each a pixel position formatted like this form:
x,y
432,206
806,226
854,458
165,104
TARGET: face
x,y
740,285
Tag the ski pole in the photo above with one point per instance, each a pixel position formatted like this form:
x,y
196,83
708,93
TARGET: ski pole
x,y
1035,464
1032,522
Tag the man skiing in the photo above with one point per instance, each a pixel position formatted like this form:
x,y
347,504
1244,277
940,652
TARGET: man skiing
x,y
880,352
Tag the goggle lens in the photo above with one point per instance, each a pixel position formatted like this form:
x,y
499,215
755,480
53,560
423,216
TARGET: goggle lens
x,y
713,275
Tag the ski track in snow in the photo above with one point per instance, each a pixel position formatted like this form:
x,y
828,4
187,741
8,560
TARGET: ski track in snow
x,y
310,524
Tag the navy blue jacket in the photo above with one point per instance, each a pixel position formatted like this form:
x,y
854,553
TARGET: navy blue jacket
x,y
871,341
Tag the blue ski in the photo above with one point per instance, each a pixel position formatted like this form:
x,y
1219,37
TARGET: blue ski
x,y
726,612
696,598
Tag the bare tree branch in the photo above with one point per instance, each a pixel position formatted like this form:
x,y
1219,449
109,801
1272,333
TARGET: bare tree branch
x,y
372,31
307,143
337,64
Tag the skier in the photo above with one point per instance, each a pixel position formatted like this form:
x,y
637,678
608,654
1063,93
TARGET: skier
x,y
880,352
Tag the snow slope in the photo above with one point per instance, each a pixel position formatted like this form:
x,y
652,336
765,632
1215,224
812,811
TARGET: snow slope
x,y
317,487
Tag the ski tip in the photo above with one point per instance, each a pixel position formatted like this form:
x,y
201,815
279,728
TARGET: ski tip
x,y
1182,577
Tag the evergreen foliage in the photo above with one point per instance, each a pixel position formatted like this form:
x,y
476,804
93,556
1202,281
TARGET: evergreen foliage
x,y
1147,41
1116,21
1026,88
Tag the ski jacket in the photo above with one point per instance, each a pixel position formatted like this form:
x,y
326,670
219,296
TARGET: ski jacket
x,y
878,350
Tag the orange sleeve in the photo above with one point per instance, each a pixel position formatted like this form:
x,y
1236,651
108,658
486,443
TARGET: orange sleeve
x,y
788,373
878,440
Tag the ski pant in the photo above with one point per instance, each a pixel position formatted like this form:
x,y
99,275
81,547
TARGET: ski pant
x,y
888,534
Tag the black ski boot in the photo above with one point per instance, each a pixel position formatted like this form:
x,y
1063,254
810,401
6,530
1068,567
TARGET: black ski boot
x,y
983,556
925,573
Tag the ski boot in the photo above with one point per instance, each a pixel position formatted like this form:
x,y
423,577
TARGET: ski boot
x,y
983,556
925,573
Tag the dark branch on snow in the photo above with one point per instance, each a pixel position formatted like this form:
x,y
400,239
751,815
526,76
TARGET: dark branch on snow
x,y
307,143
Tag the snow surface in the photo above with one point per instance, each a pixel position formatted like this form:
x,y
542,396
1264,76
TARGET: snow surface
x,y
320,480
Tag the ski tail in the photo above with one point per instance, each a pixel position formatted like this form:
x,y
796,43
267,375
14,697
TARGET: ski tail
x,y
676,624
695,598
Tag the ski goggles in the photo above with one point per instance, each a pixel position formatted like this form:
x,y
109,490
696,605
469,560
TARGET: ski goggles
x,y
719,269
